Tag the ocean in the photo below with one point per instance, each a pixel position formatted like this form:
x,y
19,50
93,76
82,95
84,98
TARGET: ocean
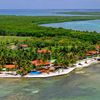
x,y
43,12
79,85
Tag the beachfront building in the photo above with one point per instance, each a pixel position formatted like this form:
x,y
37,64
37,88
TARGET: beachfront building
x,y
91,53
43,51
9,67
98,48
44,63
40,62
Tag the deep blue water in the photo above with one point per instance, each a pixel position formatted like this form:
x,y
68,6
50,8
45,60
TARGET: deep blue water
x,y
90,25
43,12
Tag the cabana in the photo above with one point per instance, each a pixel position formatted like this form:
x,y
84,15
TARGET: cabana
x,y
44,51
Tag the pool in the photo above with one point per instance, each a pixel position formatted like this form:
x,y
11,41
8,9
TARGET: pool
x,y
34,72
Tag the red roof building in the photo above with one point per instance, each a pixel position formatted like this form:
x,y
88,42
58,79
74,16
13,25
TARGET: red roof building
x,y
24,45
97,47
40,63
10,66
44,51
93,52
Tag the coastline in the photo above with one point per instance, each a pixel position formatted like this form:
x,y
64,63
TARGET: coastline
x,y
79,65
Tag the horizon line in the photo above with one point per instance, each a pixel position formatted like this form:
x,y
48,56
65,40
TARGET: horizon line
x,y
51,9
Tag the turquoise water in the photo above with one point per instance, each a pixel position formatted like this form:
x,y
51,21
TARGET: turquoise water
x,y
91,25
76,86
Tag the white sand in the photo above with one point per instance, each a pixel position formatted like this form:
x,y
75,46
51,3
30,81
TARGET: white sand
x,y
56,73
11,74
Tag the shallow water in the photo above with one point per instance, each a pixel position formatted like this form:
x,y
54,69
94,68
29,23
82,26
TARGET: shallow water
x,y
76,86
91,25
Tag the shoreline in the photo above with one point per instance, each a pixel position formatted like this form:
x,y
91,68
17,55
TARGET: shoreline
x,y
79,65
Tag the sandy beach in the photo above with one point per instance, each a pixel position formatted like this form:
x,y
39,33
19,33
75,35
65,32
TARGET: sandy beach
x,y
67,71
78,65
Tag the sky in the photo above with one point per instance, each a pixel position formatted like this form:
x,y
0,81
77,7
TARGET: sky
x,y
49,4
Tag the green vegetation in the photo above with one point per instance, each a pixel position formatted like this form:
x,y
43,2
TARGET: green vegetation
x,y
29,26
81,13
67,46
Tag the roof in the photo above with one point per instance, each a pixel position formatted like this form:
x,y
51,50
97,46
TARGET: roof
x,y
10,66
92,52
47,63
23,45
98,46
44,51
37,62
40,62
88,54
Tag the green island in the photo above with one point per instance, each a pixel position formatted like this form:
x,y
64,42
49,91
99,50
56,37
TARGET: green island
x,y
80,13
25,46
